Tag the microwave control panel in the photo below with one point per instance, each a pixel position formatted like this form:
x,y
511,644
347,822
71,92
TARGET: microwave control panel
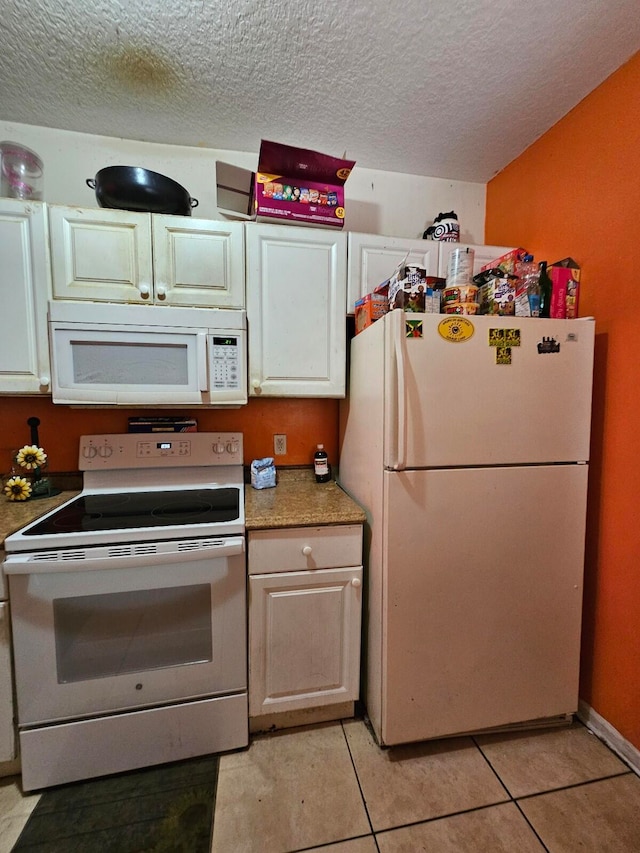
x,y
226,362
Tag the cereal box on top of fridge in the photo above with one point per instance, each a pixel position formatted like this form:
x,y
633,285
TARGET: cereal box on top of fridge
x,y
565,287
507,262
370,308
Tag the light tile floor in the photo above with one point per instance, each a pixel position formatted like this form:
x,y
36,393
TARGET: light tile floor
x,y
331,788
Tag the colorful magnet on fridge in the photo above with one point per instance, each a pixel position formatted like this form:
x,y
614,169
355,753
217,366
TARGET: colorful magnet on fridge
x,y
503,355
413,328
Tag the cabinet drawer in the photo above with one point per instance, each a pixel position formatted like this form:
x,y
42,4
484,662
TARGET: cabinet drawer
x,y
300,548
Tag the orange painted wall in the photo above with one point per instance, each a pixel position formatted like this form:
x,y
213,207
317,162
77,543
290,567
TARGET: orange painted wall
x,y
576,192
305,423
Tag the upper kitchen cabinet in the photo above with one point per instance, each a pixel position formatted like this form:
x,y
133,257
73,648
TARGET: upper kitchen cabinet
x,y
482,255
296,291
373,259
121,256
25,287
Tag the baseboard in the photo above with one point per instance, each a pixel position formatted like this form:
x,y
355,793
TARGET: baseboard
x,y
612,737
304,717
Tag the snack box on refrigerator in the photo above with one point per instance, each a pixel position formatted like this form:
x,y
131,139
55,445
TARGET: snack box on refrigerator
x,y
370,308
565,288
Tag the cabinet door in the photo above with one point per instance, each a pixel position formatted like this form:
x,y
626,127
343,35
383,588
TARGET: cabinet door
x,y
373,259
24,289
482,255
296,291
101,255
304,639
7,735
198,262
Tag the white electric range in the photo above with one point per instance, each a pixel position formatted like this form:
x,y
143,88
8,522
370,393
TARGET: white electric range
x,y
128,609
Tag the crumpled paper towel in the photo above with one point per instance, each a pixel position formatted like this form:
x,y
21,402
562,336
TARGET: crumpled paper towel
x,y
263,473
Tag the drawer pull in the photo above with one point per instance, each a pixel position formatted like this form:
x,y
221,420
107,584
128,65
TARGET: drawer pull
x,y
356,582
307,550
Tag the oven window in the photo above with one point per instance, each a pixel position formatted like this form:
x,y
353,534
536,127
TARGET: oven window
x,y
109,634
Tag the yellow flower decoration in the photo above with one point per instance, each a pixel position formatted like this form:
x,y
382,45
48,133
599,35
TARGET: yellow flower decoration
x,y
17,489
31,457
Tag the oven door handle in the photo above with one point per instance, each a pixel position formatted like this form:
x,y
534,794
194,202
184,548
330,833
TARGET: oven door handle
x,y
18,565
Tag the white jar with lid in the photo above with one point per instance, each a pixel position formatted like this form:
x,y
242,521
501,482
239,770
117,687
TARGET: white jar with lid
x,y
21,172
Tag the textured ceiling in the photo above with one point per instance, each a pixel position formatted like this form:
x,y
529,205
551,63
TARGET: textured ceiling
x,y
448,89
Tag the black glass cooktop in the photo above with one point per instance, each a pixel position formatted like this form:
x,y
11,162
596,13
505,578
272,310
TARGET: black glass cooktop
x,y
142,509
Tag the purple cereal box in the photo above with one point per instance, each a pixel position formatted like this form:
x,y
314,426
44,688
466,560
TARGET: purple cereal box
x,y
300,186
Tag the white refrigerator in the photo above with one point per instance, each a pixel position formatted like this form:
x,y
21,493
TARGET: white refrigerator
x,y
466,441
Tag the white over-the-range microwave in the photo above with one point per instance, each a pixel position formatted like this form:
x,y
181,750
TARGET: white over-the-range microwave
x,y
139,355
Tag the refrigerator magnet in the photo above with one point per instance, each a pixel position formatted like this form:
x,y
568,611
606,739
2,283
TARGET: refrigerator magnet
x,y
503,355
548,345
456,329
413,328
504,337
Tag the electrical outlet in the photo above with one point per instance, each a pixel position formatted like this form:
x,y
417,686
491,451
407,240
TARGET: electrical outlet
x,y
279,445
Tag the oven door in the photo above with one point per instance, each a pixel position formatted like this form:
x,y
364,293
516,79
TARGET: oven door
x,y
101,630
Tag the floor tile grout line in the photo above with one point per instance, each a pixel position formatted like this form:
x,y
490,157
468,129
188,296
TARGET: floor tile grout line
x,y
516,800
574,785
511,797
355,770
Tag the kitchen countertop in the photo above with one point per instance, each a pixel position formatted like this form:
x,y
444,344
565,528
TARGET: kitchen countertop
x,y
16,514
296,501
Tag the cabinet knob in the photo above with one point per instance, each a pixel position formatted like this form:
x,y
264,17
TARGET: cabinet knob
x,y
144,291
45,380
161,292
256,386
307,550
356,582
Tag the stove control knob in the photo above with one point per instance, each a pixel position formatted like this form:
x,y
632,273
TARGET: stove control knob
x,y
105,451
232,447
89,452
218,447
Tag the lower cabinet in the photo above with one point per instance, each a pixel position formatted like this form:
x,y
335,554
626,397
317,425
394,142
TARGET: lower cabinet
x,y
305,605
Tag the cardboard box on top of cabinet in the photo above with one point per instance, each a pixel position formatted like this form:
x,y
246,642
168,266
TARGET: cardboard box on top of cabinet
x,y
565,289
300,186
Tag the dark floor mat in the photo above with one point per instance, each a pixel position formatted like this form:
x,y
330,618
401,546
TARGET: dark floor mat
x,y
156,810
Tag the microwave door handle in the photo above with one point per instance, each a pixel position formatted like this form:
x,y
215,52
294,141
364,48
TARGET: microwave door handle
x,y
201,351
227,548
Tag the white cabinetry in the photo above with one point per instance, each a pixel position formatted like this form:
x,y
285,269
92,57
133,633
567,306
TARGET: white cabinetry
x,y
24,290
122,256
305,601
296,291
373,259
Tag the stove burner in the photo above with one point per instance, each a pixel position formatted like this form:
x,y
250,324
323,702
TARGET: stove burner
x,y
181,511
123,511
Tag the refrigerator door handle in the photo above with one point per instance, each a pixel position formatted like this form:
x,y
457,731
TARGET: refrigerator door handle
x,y
399,455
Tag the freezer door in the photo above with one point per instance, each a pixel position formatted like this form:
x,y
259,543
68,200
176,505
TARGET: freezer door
x,y
455,398
481,593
